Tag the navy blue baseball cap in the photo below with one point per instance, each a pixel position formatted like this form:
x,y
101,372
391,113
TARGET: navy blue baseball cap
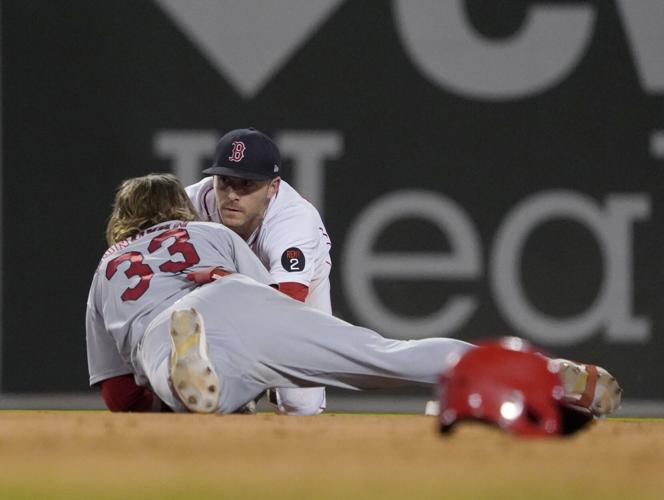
x,y
246,153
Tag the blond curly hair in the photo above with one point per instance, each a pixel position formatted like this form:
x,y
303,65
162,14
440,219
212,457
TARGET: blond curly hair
x,y
142,202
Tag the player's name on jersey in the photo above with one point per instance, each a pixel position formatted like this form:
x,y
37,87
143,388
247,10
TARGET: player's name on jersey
x,y
161,227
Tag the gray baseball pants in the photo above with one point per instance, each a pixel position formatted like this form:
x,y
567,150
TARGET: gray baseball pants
x,y
258,338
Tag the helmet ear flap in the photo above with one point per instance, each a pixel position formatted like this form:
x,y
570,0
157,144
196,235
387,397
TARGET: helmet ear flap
x,y
574,419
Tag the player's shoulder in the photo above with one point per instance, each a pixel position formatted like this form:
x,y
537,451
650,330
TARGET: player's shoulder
x,y
199,188
214,233
291,208
289,195
202,197
292,223
205,227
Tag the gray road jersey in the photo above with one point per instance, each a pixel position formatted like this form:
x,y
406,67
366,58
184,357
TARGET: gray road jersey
x,y
140,277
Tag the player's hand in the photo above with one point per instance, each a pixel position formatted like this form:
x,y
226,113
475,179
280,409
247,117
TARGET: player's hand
x,y
207,275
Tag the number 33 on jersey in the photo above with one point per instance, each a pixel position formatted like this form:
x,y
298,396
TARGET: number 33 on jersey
x,y
179,245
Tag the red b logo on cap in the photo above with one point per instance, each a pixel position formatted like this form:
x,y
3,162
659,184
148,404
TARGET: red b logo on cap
x,y
238,151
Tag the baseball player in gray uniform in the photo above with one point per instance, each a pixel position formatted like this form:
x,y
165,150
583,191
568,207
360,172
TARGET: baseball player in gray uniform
x,y
169,308
244,191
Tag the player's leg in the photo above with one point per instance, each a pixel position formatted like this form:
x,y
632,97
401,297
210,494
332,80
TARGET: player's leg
x,y
174,356
167,342
153,359
282,343
258,338
193,377
294,345
356,358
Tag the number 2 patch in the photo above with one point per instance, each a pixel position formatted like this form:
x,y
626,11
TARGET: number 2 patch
x,y
292,260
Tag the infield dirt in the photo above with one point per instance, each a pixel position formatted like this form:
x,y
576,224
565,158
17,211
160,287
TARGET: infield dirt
x,y
98,455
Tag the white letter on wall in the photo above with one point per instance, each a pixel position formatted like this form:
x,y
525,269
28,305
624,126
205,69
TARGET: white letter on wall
x,y
612,229
186,149
644,23
446,49
309,150
361,264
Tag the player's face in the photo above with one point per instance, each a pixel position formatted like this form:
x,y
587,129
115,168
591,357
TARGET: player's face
x,y
242,202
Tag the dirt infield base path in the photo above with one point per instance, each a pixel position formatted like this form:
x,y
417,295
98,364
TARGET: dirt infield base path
x,y
98,455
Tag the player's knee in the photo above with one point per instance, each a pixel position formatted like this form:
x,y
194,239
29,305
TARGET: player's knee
x,y
301,402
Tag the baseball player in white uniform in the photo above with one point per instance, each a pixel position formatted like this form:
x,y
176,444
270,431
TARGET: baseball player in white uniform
x,y
159,323
245,193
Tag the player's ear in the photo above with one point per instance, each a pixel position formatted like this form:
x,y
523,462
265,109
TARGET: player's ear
x,y
273,188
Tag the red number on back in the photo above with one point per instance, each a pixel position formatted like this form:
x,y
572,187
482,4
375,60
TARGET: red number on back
x,y
136,268
144,271
181,246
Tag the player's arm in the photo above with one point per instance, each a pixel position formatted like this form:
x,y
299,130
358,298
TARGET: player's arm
x,y
121,394
107,368
230,254
292,255
294,290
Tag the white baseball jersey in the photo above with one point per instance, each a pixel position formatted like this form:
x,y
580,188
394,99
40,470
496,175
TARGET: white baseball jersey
x,y
144,275
291,242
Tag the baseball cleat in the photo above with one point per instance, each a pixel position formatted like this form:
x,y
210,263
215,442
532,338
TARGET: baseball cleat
x,y
590,387
192,376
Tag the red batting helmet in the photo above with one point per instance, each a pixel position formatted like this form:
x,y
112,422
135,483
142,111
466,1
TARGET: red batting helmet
x,y
508,384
